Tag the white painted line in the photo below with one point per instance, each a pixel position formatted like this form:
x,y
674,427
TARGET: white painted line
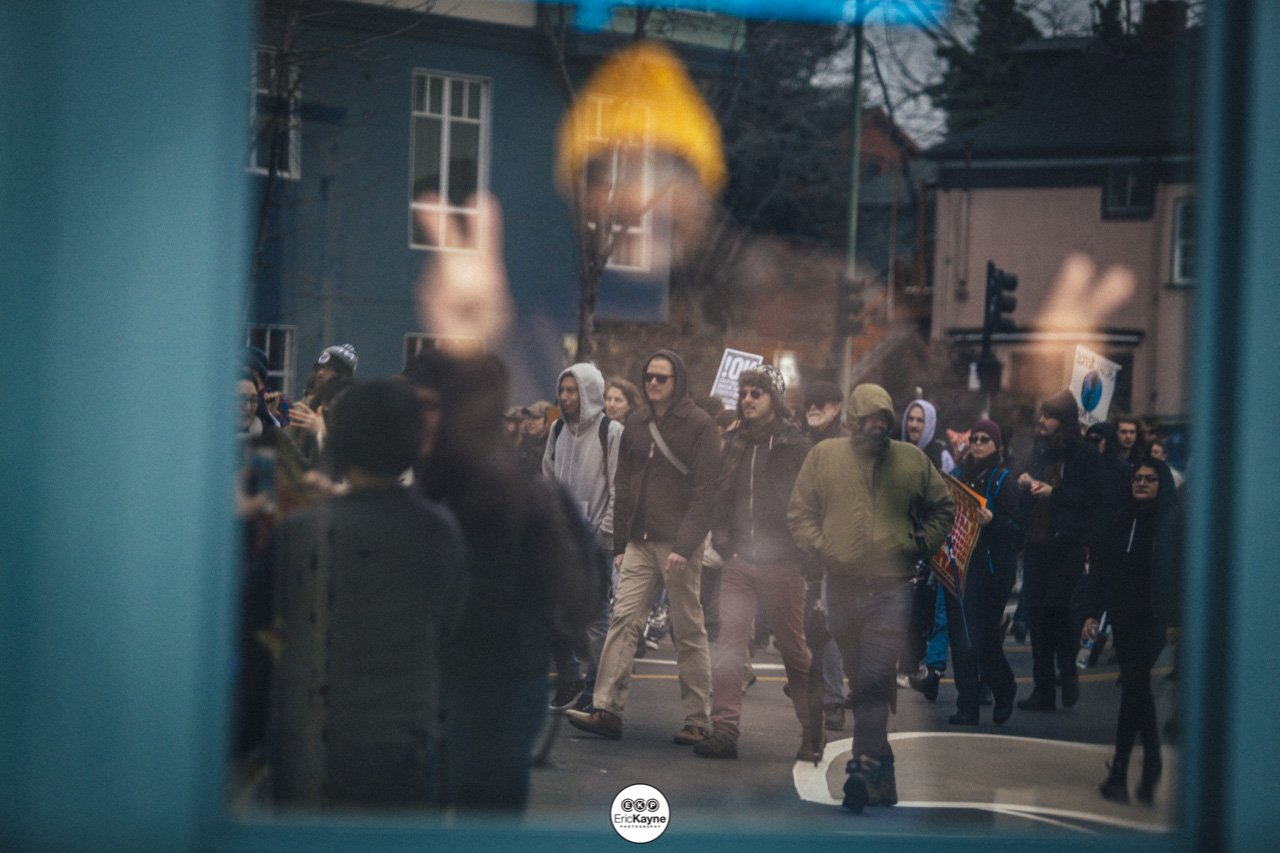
x,y
768,666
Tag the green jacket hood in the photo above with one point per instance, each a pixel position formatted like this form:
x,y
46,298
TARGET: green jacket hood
x,y
868,399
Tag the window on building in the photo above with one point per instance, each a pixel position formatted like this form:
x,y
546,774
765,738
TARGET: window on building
x,y
274,116
277,343
450,158
1129,192
623,165
1184,240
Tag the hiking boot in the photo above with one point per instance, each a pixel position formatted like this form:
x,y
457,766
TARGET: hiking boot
x,y
806,752
597,722
886,792
861,784
690,735
834,717
717,745
927,684
1116,786
1037,702
567,692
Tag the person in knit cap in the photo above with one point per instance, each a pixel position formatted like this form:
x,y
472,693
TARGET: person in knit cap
x,y
331,375
762,565
1061,492
977,643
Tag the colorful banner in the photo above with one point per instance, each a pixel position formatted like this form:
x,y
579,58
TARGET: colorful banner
x,y
951,563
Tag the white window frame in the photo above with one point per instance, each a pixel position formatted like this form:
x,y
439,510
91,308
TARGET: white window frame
x,y
1184,239
258,90
281,380
482,173
643,232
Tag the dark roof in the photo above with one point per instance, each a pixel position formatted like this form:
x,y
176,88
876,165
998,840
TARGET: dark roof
x,y
1083,100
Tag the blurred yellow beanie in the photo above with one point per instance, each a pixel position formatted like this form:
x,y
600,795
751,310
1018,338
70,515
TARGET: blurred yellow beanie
x,y
641,89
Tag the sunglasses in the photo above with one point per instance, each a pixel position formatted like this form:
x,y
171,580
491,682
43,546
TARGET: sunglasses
x,y
660,378
753,393
980,439
1149,479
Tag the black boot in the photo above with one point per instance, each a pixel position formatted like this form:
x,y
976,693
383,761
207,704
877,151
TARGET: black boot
x,y
1116,786
1152,767
928,684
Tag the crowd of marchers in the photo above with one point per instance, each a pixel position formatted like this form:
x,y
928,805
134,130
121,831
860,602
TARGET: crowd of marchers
x,y
418,559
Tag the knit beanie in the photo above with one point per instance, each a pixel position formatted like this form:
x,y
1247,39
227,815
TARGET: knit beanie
x,y
990,428
1061,406
341,356
766,377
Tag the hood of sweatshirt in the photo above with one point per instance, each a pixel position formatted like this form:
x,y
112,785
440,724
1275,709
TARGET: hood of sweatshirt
x,y
868,399
590,394
681,378
930,422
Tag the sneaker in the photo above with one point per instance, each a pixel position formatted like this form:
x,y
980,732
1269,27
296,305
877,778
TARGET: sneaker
x,y
690,735
597,722
716,745
567,692
904,680
928,685
833,717
583,704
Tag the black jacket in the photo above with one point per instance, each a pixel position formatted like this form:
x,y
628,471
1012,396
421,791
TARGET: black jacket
x,y
998,544
653,500
1074,503
754,489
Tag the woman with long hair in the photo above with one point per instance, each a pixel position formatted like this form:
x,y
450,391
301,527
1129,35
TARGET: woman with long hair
x,y
621,398
1134,578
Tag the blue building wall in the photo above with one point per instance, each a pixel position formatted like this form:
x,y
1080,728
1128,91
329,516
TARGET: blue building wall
x,y
339,266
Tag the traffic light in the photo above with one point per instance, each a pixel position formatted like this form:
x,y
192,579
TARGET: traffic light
x,y
999,304
848,308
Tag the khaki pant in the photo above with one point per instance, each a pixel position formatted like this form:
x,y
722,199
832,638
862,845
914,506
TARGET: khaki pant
x,y
642,571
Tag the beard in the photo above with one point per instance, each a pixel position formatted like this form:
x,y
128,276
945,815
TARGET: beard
x,y
816,420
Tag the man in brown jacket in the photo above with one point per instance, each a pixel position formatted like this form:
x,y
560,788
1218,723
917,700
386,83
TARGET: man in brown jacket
x,y
868,508
668,463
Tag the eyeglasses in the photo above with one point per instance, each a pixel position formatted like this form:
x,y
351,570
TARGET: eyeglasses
x,y
1149,479
815,404
660,378
980,439
753,393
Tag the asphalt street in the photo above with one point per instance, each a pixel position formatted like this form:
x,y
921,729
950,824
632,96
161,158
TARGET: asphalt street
x,y
1037,772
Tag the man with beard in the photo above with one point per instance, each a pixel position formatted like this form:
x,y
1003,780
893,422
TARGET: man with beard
x,y
1061,490
822,403
868,508
333,373
762,565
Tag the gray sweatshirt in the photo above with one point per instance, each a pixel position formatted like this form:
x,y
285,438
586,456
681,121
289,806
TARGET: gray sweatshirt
x,y
575,459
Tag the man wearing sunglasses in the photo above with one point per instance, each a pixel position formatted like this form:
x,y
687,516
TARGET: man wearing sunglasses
x,y
668,462
868,508
762,564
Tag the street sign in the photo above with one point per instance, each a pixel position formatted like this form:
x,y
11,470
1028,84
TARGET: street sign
x,y
1093,382
733,363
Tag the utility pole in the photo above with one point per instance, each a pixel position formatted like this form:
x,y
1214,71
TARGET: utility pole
x,y
848,288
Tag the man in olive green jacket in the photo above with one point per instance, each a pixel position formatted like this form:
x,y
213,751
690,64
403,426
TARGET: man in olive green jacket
x,y
868,508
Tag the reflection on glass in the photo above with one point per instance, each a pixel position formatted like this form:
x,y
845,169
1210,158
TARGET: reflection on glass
x,y
1003,278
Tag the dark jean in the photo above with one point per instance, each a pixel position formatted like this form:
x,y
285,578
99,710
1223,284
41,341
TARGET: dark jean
x,y
869,617
1050,574
977,646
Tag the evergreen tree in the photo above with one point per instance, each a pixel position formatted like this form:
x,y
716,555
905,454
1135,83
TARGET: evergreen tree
x,y
983,80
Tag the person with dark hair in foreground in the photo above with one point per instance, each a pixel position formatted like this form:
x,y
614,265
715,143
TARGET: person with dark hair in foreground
x,y
369,583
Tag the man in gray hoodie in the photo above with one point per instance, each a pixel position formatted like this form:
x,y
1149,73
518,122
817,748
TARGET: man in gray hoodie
x,y
582,456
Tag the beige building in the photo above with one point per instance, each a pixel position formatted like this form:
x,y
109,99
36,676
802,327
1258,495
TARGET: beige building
x,y
1097,160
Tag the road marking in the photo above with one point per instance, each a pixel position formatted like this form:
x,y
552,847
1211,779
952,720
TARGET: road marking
x,y
811,784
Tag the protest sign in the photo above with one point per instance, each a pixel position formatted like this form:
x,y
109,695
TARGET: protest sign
x,y
733,363
951,562
1093,382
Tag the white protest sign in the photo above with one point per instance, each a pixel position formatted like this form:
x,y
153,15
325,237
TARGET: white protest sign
x,y
726,385
1093,381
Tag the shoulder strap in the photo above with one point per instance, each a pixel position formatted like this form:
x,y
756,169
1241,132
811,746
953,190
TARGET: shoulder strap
x,y
556,429
604,447
661,444
999,483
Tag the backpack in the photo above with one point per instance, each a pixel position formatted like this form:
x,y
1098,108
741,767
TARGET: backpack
x,y
558,427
